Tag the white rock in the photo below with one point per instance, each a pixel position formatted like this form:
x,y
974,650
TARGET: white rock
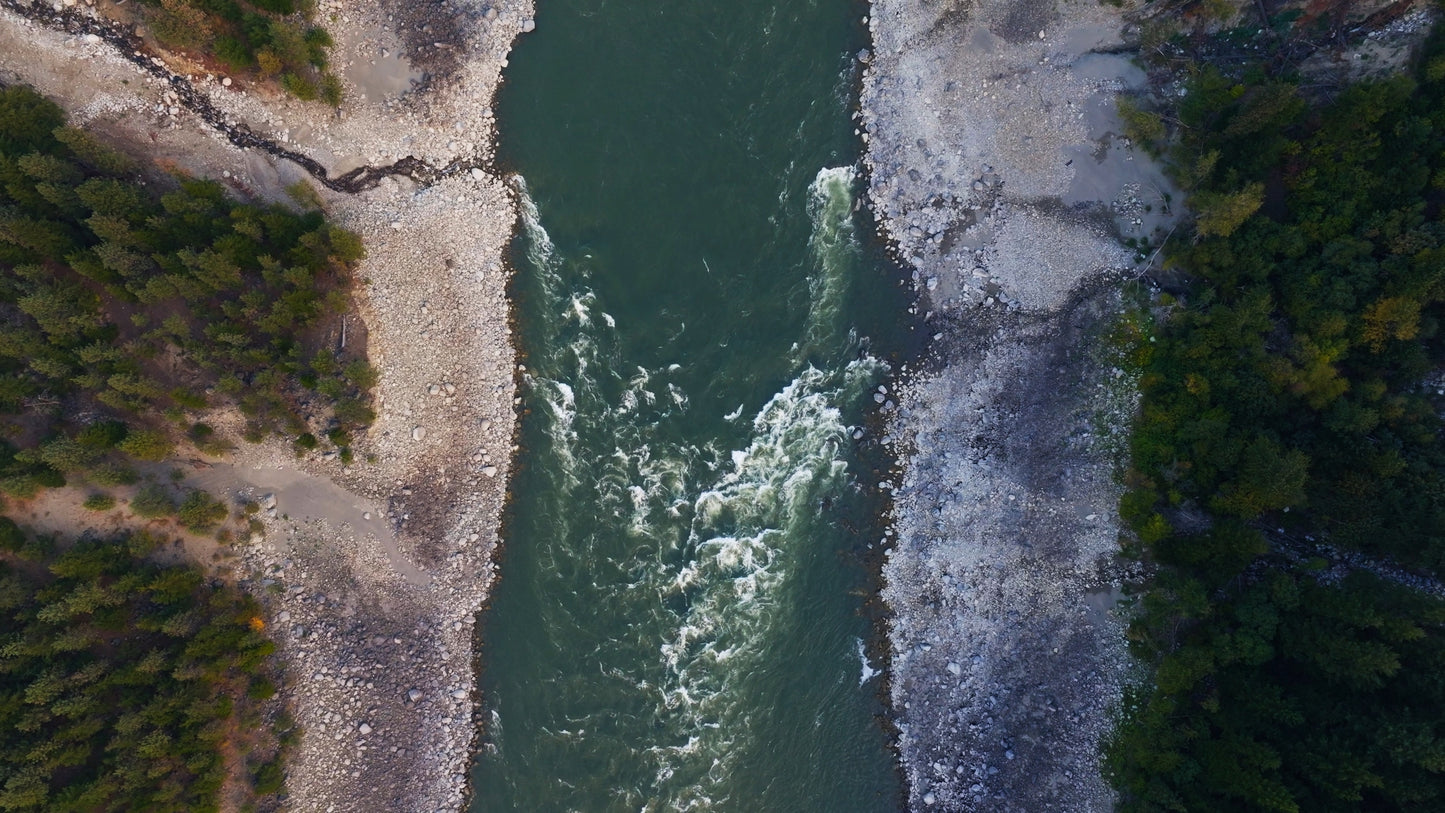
x,y
225,81
490,471
364,728
413,695
529,25
418,432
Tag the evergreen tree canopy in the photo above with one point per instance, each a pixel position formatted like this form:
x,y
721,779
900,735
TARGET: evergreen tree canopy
x,y
122,682
118,300
1284,401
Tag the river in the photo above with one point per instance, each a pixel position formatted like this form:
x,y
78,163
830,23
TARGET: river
x,y
680,621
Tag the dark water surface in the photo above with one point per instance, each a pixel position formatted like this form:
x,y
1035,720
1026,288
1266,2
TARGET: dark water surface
x,y
679,623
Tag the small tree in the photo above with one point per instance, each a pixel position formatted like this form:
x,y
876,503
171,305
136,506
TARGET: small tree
x,y
147,445
152,502
1220,213
200,512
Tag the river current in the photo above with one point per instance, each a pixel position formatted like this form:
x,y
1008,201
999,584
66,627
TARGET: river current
x,y
680,621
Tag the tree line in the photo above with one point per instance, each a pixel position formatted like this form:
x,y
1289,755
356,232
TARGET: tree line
x,y
1287,393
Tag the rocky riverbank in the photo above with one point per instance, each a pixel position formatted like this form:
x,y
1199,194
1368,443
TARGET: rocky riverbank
x,y
999,171
373,572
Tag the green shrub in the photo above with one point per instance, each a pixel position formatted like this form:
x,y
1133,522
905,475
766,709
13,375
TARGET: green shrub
x,y
1143,126
12,539
103,435
281,7
22,486
261,689
199,512
268,778
233,53
147,444
99,502
188,399
152,502
266,36
46,477
113,474
300,87
331,90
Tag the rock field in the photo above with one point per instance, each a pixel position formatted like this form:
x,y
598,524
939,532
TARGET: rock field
x,y
998,170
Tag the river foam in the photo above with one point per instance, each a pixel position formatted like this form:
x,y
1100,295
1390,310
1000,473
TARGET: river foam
x,y
710,532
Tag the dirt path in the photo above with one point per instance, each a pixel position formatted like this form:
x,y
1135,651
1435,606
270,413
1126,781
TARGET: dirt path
x,y
302,497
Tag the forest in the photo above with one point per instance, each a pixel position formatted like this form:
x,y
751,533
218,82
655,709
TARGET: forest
x,y
134,305
127,310
274,40
1291,417
129,685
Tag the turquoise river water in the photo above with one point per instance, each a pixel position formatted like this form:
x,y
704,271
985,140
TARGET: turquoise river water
x,y
680,622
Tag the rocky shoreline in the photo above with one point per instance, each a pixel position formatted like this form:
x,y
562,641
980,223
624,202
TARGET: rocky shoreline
x,y
1002,177
372,572
999,172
